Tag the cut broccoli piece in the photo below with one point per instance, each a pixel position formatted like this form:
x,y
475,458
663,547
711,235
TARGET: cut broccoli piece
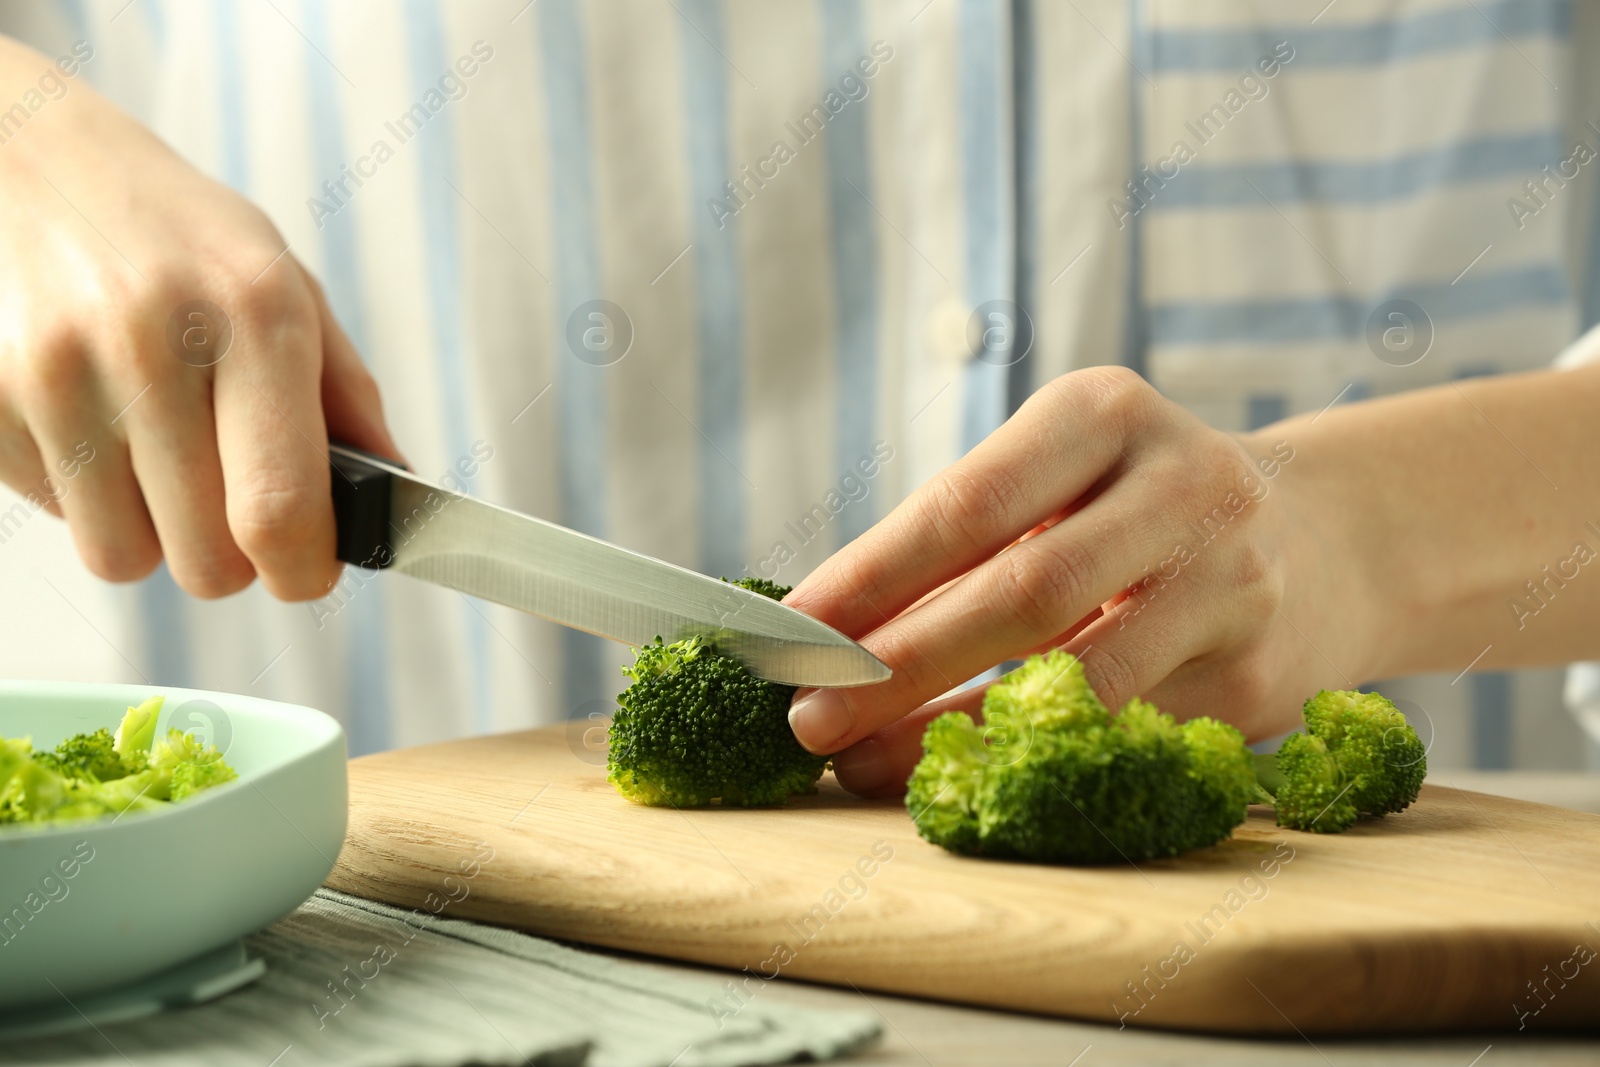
x,y
184,766
1052,776
90,757
696,728
20,779
1359,757
137,731
40,795
763,586
36,793
14,755
99,774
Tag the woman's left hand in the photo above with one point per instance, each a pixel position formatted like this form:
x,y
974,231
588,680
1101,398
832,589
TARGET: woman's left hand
x,y
1178,562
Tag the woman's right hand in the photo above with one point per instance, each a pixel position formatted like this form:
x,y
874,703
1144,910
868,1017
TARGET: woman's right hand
x,y
123,271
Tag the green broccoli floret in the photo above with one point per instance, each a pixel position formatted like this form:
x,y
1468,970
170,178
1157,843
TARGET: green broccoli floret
x,y
100,774
1051,775
182,766
1359,757
696,728
16,770
102,756
40,795
90,757
762,586
137,731
14,755
36,792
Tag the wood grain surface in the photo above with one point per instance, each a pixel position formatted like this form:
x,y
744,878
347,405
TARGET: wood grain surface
x,y
1464,912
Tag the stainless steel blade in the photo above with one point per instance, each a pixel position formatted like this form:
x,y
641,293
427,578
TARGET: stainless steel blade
x,y
580,581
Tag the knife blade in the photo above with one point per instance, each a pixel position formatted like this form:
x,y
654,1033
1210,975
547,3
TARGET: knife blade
x,y
388,518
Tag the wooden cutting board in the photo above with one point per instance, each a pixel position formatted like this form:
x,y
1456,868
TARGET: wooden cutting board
x,y
1466,911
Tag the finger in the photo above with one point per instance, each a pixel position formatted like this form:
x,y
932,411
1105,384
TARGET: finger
x,y
879,765
950,583
172,444
351,403
1074,630
1246,687
1041,460
1126,655
272,439
1213,687
101,501
1008,604
110,524
1140,642
21,467
1051,521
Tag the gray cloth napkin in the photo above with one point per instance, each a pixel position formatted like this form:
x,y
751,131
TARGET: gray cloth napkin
x,y
360,984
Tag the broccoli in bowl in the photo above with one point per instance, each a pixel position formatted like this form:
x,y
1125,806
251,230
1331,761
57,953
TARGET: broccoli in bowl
x,y
105,773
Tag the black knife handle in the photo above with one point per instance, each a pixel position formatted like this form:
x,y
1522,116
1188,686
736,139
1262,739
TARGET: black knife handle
x,y
362,491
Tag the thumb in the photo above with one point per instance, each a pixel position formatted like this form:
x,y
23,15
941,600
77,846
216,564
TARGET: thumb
x,y
351,403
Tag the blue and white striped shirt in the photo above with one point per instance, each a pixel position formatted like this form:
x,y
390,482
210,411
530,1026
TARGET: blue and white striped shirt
x,y
679,274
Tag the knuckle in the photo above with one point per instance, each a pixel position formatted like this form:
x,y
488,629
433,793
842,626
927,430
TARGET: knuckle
x,y
1216,483
273,520
1232,464
1105,393
917,677
149,311
138,335
168,284
1115,376
1061,398
126,560
1258,575
1041,588
140,364
56,363
862,577
958,501
1111,675
1120,398
277,303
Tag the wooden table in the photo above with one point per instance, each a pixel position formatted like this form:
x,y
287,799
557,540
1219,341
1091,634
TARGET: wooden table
x,y
920,1033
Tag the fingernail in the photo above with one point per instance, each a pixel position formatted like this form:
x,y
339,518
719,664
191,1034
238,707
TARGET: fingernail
x,y
820,720
862,768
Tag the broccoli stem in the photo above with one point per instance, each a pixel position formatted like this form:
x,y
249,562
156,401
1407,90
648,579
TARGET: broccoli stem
x,y
1268,774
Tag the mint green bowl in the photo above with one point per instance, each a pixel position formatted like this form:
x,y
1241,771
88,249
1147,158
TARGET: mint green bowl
x,y
90,906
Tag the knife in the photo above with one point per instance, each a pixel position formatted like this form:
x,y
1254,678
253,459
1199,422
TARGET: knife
x,y
390,519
